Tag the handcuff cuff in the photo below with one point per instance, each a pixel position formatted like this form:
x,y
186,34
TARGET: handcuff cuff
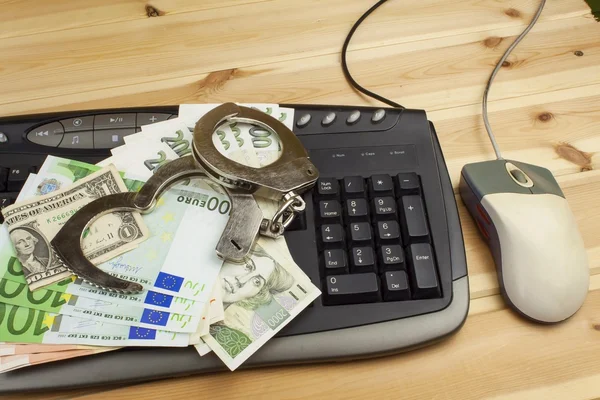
x,y
285,180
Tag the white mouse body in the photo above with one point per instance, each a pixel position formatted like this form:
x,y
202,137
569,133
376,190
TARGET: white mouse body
x,y
539,253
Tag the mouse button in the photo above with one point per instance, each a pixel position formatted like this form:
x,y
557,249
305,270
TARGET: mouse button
x,y
545,183
489,177
518,175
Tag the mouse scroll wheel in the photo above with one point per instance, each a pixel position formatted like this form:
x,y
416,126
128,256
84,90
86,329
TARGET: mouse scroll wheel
x,y
519,175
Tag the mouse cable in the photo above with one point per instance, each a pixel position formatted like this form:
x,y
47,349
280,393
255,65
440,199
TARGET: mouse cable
x,y
495,71
345,65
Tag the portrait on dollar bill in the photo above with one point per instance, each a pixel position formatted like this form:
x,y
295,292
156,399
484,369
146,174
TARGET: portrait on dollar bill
x,y
32,248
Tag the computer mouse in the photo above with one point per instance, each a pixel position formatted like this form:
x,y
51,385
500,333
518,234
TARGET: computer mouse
x,y
540,256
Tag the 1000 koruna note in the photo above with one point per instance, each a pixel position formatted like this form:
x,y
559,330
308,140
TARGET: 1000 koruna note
x,y
33,223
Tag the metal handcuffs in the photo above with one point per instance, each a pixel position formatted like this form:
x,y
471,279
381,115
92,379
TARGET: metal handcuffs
x,y
285,180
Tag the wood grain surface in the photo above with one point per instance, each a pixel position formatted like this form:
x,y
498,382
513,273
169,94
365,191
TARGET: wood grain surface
x,y
426,54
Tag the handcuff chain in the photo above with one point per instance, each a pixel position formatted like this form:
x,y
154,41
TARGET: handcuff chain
x,y
292,205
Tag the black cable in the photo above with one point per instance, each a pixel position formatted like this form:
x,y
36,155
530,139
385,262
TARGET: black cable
x,y
345,65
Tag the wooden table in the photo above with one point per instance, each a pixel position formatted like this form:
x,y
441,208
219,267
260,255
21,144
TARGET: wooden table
x,y
427,54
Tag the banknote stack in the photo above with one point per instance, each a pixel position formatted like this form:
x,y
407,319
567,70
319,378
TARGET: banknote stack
x,y
191,297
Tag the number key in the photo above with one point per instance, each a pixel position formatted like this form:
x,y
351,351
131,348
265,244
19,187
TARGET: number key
x,y
360,233
388,232
335,261
332,235
363,259
384,208
391,257
330,211
356,210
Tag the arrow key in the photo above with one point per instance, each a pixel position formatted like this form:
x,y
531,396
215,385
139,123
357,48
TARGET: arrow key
x,y
332,236
362,260
388,232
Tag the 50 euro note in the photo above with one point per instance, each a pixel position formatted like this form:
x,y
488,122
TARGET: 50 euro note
x,y
18,361
259,298
33,223
11,349
27,325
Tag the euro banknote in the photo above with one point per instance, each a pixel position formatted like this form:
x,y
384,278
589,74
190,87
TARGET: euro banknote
x,y
97,310
27,325
18,361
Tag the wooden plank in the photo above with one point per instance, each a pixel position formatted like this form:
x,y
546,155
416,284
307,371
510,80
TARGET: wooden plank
x,y
516,358
23,17
101,58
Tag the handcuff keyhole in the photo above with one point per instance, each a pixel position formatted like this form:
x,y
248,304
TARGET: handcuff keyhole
x,y
237,246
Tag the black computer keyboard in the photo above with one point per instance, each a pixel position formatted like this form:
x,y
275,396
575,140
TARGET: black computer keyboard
x,y
380,236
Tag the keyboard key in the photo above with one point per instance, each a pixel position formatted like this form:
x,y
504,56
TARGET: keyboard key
x,y
391,257
4,179
6,199
150,118
414,224
78,140
381,185
384,208
352,289
328,187
423,274
110,138
335,262
395,286
388,232
332,235
330,211
362,260
408,183
356,210
360,234
110,121
354,186
17,177
47,135
78,124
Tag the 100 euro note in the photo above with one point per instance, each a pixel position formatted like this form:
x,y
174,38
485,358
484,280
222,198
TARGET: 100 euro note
x,y
32,224
259,298
27,325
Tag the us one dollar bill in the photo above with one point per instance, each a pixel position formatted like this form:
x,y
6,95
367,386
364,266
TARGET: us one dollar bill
x,y
27,325
32,224
259,298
